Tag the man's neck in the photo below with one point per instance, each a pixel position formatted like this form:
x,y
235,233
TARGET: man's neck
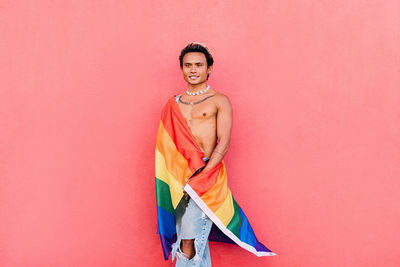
x,y
193,88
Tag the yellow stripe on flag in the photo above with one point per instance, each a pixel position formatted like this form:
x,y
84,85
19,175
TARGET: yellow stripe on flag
x,y
177,164
164,175
226,211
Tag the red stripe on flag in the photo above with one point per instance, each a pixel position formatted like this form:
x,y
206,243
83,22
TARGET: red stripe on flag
x,y
177,128
202,182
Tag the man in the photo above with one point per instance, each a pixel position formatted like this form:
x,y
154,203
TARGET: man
x,y
209,116
191,181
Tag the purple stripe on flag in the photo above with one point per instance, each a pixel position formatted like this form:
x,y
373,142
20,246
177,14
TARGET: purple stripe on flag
x,y
167,245
261,247
217,235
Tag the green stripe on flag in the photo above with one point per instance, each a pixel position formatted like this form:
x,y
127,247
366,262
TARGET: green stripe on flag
x,y
236,221
164,196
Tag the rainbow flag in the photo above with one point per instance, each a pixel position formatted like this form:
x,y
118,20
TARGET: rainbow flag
x,y
177,158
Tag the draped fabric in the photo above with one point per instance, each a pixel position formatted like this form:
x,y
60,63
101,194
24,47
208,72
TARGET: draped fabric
x,y
177,158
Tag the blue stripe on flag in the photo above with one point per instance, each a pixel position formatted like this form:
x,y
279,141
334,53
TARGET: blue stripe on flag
x,y
246,232
165,223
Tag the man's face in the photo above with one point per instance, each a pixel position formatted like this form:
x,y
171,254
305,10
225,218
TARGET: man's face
x,y
194,68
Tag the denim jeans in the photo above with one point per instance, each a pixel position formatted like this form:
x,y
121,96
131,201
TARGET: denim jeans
x,y
192,223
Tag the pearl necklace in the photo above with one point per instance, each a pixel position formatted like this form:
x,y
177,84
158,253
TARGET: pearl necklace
x,y
199,92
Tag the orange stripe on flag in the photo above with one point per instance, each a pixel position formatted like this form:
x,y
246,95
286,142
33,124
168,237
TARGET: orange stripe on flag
x,y
176,164
216,195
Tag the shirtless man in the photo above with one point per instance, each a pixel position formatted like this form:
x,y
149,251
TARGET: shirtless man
x,y
208,113
211,119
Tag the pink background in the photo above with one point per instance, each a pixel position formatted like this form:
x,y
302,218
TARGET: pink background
x,y
315,154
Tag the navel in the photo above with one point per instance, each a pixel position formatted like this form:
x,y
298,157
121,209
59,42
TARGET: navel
x,y
204,114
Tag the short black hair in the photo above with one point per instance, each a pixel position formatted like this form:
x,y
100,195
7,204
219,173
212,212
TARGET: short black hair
x,y
197,47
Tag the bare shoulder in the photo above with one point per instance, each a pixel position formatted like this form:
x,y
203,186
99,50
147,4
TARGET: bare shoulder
x,y
222,100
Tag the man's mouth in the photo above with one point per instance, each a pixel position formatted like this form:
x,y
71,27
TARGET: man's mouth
x,y
193,77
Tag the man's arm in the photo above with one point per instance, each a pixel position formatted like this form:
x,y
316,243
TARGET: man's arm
x,y
224,129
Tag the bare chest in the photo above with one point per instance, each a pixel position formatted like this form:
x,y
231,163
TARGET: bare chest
x,y
197,112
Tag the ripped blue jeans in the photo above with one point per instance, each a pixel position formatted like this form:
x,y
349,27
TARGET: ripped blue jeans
x,y
192,223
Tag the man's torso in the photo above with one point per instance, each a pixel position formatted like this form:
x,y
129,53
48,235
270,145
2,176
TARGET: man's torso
x,y
200,113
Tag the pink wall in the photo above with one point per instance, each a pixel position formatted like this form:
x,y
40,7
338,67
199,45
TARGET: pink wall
x,y
315,89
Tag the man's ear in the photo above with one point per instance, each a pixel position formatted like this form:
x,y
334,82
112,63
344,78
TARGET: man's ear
x,y
209,69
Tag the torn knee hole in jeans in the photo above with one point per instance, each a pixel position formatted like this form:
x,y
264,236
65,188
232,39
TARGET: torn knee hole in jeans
x,y
181,254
